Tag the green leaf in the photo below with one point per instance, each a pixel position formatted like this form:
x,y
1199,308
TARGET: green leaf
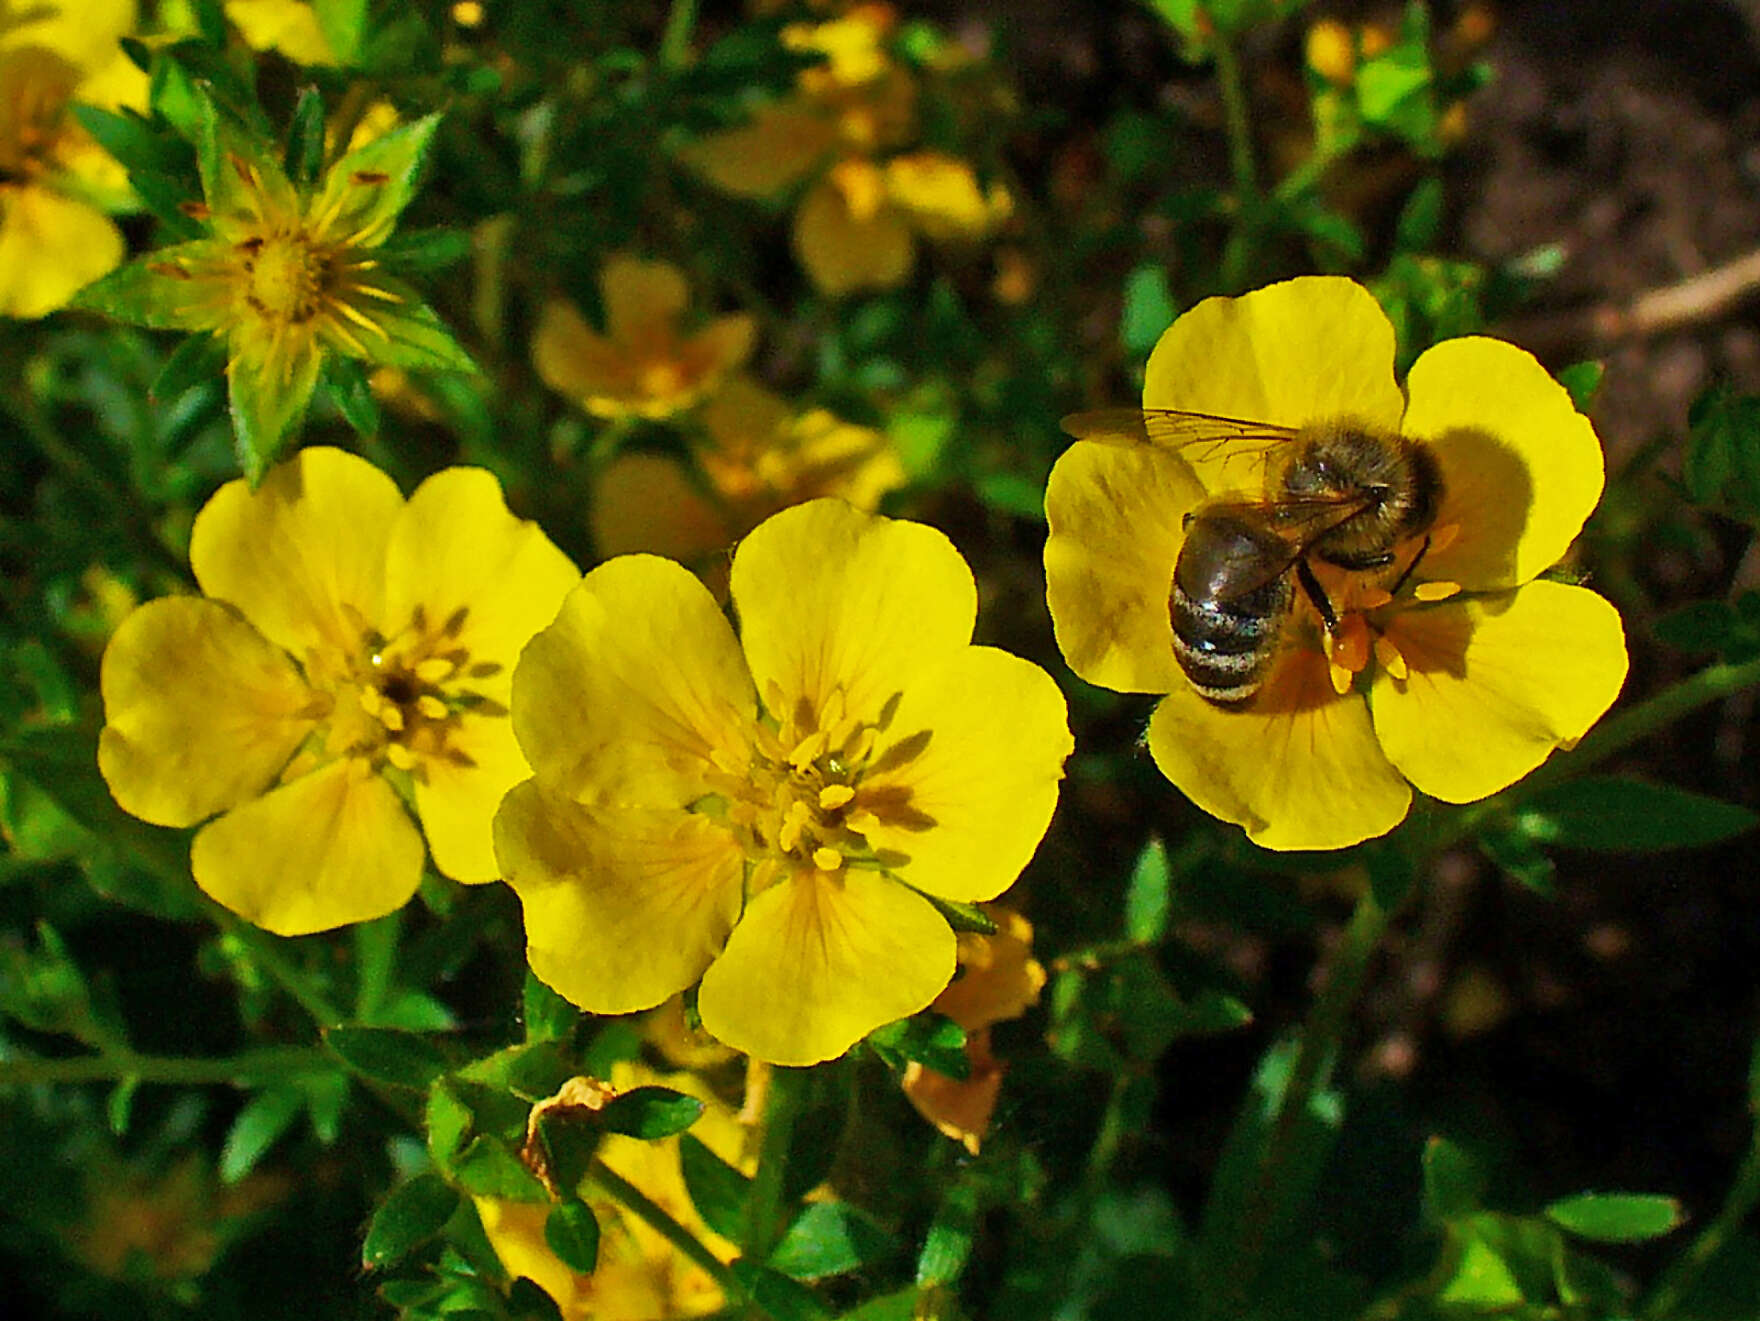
x,y
488,1168
781,1298
199,360
1149,308
386,1055
830,1238
344,25
346,381
962,916
1616,1217
1420,219
948,1244
424,251
414,1213
1518,857
650,1113
569,1147
1148,899
150,291
241,175
260,1124
1583,381
548,1017
718,1191
573,1235
367,189
1616,814
449,1121
304,157
268,406
930,1039
1453,1184
1722,458
413,337
133,140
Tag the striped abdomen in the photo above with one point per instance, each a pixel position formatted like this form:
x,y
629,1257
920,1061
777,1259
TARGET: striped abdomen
x,y
1231,591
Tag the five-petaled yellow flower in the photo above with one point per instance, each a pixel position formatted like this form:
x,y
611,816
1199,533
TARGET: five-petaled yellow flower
x,y
288,275
642,366
768,812
348,640
56,182
843,132
1459,684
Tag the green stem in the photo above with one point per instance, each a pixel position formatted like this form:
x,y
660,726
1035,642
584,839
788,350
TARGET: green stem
x,y
764,1212
661,1222
265,952
675,42
1237,117
1615,734
1316,1051
1681,1274
251,1068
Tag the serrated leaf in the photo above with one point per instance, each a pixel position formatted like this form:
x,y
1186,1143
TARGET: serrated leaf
x,y
414,1213
1453,1184
573,1235
1616,1217
1148,899
386,1055
260,1124
781,1298
1617,814
718,1191
830,1238
650,1113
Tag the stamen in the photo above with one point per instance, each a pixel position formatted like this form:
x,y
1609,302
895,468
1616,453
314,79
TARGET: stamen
x,y
1443,537
434,669
827,859
834,796
1391,658
1436,591
431,706
1373,598
400,756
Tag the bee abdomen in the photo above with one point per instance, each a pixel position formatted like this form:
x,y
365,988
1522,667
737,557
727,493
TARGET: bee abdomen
x,y
1224,647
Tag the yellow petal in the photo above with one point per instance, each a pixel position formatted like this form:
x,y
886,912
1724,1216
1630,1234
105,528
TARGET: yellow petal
x,y
456,550
623,908
575,360
301,552
1116,518
783,144
822,959
85,32
456,801
1299,768
1521,467
941,193
636,685
330,848
718,348
959,1108
831,599
643,299
1495,684
967,772
50,247
288,26
999,977
1305,350
201,711
646,502
844,253
515,1231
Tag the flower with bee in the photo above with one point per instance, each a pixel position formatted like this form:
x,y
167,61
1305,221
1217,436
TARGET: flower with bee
x,y
1336,583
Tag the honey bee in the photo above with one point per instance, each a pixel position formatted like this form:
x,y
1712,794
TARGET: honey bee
x,y
1339,492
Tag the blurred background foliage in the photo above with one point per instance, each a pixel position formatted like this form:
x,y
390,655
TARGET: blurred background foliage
x,y
1541,1105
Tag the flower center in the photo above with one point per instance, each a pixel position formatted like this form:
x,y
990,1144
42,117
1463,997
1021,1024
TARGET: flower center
x,y
286,277
402,699
795,796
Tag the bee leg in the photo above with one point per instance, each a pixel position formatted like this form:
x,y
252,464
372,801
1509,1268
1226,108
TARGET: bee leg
x,y
1317,594
1407,572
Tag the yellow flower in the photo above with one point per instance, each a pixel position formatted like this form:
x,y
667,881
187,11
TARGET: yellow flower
x,y
55,181
759,456
640,1275
1459,684
288,26
348,640
864,206
642,366
999,980
768,811
289,275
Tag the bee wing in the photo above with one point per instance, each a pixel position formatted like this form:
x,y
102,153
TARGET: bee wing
x,y
1300,521
1206,440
